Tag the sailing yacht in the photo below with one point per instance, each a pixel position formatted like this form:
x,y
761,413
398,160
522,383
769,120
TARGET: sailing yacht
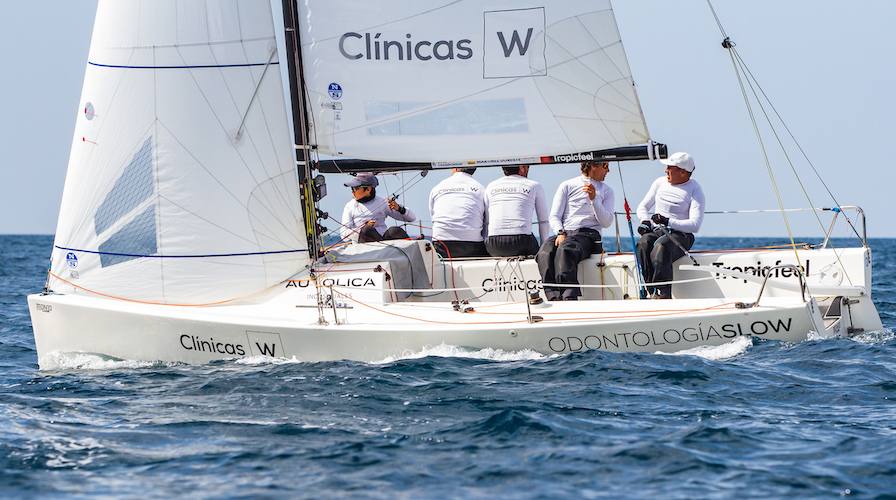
x,y
190,228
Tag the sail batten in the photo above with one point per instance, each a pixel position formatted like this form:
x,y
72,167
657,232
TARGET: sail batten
x,y
425,81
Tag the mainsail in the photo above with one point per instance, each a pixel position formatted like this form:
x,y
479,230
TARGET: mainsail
x,y
181,185
446,81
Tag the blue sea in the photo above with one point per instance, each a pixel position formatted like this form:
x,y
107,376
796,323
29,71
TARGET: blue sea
x,y
749,419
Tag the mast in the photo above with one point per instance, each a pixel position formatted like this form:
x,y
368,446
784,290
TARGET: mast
x,y
300,127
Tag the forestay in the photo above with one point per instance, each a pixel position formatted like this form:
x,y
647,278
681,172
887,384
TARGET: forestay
x,y
181,186
441,81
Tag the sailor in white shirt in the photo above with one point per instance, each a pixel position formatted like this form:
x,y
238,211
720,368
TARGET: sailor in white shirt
x,y
511,200
459,215
364,217
582,207
677,204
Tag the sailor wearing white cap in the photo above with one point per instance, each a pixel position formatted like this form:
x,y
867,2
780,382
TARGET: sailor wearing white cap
x,y
511,201
582,207
459,215
677,203
364,217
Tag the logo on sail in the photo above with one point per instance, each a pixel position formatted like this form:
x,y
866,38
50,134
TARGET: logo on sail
x,y
371,46
335,91
514,43
71,259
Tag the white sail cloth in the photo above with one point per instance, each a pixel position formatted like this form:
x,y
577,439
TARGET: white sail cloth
x,y
167,197
437,80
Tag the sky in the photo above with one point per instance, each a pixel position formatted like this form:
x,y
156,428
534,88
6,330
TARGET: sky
x,y
826,66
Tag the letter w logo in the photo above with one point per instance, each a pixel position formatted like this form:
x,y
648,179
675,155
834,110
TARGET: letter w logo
x,y
515,42
267,350
517,48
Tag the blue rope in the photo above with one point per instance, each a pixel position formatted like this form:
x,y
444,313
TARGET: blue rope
x,y
181,256
198,66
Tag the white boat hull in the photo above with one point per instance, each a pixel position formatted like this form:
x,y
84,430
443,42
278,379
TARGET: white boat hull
x,y
74,324
371,321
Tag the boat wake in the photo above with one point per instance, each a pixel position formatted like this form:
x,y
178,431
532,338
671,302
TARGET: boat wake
x,y
83,361
734,348
440,351
452,351
876,337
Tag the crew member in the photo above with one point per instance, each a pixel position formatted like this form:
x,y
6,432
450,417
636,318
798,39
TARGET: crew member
x,y
364,217
582,206
677,203
459,215
511,200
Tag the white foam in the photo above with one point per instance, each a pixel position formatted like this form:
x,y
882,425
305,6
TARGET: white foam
x,y
81,361
266,360
451,351
874,337
734,348
813,335
63,450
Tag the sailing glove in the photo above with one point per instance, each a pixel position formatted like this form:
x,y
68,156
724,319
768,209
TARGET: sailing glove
x,y
644,228
660,219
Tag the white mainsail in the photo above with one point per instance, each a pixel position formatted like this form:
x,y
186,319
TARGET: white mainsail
x,y
438,80
181,185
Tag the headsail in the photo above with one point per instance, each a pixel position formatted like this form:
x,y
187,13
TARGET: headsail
x,y
442,81
181,186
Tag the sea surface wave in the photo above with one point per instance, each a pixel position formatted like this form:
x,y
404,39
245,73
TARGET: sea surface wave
x,y
750,418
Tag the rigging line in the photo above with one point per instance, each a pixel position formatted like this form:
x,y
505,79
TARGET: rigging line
x,y
765,157
264,117
227,85
792,166
799,146
239,130
223,129
156,303
640,285
737,71
716,17
780,142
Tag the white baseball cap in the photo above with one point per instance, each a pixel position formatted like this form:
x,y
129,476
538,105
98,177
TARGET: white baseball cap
x,y
681,160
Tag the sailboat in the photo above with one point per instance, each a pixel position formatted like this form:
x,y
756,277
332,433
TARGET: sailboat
x,y
190,228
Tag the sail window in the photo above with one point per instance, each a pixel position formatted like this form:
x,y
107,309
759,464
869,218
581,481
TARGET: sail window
x,y
136,239
134,186
495,116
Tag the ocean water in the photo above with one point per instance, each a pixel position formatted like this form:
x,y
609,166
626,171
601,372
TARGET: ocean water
x,y
751,418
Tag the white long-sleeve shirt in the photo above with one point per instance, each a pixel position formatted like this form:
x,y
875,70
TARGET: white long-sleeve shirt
x,y
458,209
356,214
511,201
572,209
682,203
